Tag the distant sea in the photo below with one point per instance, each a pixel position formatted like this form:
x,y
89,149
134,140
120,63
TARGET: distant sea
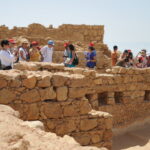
x,y
135,47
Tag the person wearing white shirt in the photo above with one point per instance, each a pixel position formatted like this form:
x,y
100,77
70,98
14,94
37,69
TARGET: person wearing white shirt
x,y
23,53
6,58
47,52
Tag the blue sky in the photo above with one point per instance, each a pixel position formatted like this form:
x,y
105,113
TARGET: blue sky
x,y
127,22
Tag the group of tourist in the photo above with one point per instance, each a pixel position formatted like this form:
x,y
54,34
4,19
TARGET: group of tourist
x,y
126,59
11,52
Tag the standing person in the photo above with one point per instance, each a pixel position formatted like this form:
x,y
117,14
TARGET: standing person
x,y
142,59
6,57
34,52
14,49
47,51
66,51
114,55
91,57
72,59
23,51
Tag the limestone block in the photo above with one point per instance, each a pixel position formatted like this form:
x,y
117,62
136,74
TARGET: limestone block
x,y
98,81
85,107
107,135
58,79
33,112
52,110
95,138
67,126
30,96
88,124
70,110
15,83
62,93
30,82
7,96
45,82
51,124
108,123
79,81
82,138
77,92
47,93
3,83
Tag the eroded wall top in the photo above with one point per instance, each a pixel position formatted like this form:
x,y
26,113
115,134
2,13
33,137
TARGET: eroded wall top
x,y
82,33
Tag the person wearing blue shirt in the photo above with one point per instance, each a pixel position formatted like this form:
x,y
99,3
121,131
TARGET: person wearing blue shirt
x,y
91,57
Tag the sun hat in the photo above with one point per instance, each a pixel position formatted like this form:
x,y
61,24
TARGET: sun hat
x,y
25,41
50,42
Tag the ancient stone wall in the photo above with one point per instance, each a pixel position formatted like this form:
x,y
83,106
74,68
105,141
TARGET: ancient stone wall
x,y
124,93
63,98
82,33
52,98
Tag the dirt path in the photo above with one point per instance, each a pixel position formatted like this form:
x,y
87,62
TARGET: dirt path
x,y
135,138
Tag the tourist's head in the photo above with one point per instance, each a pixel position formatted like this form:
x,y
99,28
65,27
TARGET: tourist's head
x,y
115,48
66,45
50,43
24,43
71,47
91,48
143,52
5,44
12,42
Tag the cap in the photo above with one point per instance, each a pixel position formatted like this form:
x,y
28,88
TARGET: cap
x,y
12,41
66,44
34,43
50,42
91,44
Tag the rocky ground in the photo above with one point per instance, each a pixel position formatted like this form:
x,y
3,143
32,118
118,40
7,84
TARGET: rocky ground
x,y
16,134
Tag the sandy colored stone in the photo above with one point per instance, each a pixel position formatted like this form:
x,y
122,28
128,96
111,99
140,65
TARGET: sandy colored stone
x,y
33,112
18,135
30,82
7,96
62,93
88,124
83,138
77,92
47,93
45,82
30,96
66,127
85,107
70,110
3,83
52,110
15,83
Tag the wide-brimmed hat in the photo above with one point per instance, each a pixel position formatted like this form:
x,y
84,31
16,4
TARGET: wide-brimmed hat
x,y
24,42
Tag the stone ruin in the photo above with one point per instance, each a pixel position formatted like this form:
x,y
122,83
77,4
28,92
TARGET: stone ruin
x,y
81,103
79,35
